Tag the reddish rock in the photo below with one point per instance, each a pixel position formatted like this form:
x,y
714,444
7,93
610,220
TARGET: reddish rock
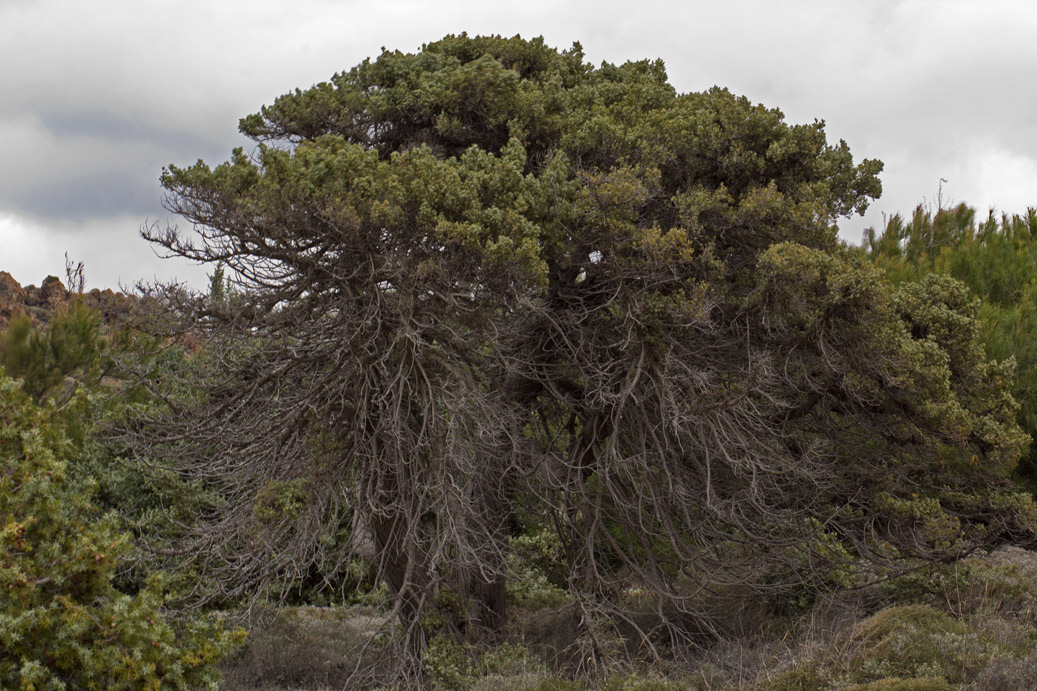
x,y
12,298
41,304
113,307
53,292
8,284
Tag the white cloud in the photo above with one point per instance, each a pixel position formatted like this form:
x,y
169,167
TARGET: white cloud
x,y
1006,180
112,252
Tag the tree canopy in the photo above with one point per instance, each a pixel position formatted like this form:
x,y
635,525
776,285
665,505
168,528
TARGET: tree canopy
x,y
488,283
995,257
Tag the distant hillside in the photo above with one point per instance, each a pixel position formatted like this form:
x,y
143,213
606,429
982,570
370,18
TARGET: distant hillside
x,y
41,303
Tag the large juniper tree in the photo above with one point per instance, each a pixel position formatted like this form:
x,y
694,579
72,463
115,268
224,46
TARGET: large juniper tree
x,y
490,276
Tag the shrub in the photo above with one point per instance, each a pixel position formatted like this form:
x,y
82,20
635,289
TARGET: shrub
x,y
534,571
916,641
306,648
1008,675
62,622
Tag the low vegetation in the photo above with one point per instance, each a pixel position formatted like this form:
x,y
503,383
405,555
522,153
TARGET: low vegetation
x,y
967,625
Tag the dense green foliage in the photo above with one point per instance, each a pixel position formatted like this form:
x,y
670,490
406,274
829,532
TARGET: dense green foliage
x,y
72,616
43,358
62,623
996,258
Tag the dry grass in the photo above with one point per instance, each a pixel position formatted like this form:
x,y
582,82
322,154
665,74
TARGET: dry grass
x,y
968,626
304,649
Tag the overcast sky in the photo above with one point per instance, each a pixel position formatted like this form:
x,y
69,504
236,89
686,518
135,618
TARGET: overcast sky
x,y
96,97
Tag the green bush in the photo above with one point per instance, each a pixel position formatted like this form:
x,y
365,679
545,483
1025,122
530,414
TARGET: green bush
x,y
535,574
996,258
63,625
71,347
916,641
448,664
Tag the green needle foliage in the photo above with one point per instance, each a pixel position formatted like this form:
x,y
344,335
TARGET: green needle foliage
x,y
49,360
62,623
997,259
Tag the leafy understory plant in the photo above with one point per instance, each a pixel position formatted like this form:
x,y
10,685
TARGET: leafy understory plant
x,y
63,625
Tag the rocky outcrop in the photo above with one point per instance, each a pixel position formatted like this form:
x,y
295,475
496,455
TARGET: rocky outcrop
x,y
12,298
41,303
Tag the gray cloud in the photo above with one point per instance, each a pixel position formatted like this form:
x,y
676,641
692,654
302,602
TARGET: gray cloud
x,y
121,129
88,196
79,164
32,248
